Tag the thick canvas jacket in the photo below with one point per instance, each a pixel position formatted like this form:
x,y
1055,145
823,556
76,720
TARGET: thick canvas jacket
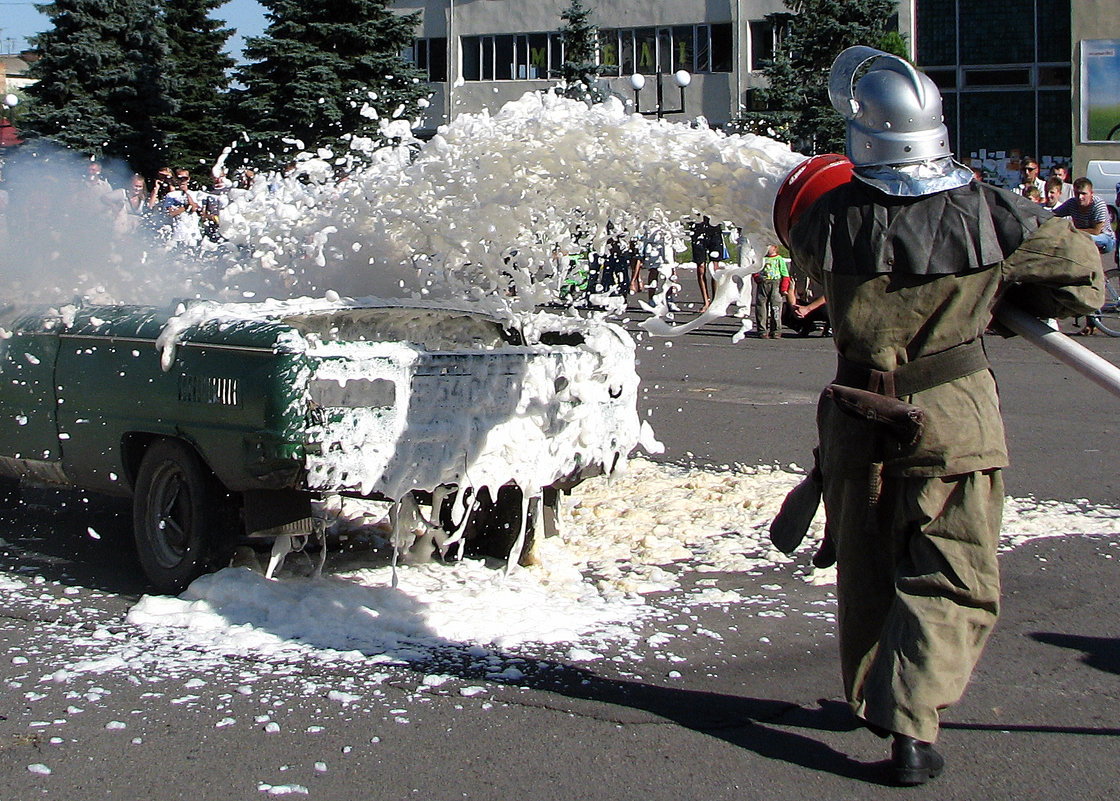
x,y
910,277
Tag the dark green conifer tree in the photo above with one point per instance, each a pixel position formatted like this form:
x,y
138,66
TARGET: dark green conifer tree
x,y
199,128
102,79
320,70
580,70
798,108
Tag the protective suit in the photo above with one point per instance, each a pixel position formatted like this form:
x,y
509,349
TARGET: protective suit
x,y
913,255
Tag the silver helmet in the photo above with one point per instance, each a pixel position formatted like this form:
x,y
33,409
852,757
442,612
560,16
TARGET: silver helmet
x,y
893,111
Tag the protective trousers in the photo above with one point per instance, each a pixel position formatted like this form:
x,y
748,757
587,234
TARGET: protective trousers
x,y
918,589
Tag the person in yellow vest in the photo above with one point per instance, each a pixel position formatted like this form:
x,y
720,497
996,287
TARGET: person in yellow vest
x,y
770,283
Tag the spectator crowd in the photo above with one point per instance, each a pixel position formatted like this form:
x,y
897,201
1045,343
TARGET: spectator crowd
x,y
182,213
780,297
174,209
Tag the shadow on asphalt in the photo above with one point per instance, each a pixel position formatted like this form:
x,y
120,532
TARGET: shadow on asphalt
x,y
51,537
1102,653
73,538
756,724
54,536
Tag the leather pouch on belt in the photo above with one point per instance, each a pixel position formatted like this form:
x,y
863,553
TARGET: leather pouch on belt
x,y
902,421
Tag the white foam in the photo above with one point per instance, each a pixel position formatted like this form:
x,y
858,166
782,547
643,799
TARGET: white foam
x,y
491,201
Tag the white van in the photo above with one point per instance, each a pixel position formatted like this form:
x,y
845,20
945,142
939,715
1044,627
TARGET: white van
x,y
1105,176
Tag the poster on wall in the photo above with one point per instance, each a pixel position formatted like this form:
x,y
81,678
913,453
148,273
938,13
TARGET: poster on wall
x,y
1100,90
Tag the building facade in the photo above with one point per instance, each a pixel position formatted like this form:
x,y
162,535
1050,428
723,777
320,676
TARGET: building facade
x,y
14,76
1096,82
1011,74
484,53
1004,72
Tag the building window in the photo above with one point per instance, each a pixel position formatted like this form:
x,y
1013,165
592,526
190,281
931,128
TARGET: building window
x,y
645,50
511,57
937,32
1056,75
684,48
1054,137
610,53
472,58
969,33
988,118
505,66
1005,73
1054,22
944,78
622,52
430,57
487,58
723,54
555,53
538,63
703,49
991,77
991,35
762,43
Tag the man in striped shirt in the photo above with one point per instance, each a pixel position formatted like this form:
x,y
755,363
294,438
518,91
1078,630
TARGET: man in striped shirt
x,y
1090,215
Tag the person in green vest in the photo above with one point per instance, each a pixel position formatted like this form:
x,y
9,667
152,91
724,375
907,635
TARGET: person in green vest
x,y
769,284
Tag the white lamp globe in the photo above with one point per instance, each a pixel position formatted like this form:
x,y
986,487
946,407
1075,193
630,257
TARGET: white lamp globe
x,y
682,78
638,81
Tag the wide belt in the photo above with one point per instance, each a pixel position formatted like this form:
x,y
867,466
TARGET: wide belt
x,y
921,374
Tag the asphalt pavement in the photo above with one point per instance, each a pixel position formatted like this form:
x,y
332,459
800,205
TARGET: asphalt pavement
x,y
749,708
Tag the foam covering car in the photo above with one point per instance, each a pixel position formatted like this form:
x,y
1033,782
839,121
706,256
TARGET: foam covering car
x,y
230,420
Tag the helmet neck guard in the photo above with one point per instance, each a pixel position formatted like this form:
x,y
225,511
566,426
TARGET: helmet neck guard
x,y
915,180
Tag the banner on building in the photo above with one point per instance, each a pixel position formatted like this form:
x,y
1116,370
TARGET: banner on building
x,y
1100,90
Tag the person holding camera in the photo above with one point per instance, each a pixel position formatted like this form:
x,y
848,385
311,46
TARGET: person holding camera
x,y
181,204
160,187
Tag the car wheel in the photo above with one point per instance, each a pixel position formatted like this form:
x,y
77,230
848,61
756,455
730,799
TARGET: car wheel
x,y
494,523
10,494
177,516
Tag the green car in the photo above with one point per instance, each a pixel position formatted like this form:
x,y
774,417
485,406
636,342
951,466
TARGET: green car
x,y
225,421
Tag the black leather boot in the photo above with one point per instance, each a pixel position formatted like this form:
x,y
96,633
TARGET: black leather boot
x,y
914,762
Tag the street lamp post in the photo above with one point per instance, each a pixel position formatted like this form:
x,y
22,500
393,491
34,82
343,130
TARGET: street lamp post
x,y
452,61
681,78
8,137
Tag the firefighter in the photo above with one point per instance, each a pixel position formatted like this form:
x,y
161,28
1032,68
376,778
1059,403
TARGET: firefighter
x,y
913,255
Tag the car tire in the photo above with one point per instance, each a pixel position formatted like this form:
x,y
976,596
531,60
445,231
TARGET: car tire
x,y
10,493
177,517
494,524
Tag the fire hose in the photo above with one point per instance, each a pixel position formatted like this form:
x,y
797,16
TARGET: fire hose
x,y
1096,368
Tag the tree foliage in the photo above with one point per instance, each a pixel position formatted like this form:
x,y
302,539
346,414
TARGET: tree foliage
x,y
325,68
580,70
102,79
796,100
200,126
